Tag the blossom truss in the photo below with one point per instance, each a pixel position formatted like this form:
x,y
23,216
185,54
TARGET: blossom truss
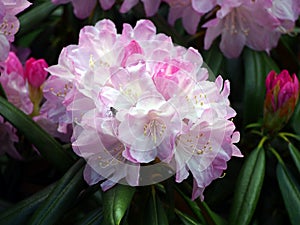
x,y
9,24
142,108
256,24
83,9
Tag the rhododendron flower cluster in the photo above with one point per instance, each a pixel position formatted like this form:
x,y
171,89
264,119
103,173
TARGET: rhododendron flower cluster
x,y
137,100
9,24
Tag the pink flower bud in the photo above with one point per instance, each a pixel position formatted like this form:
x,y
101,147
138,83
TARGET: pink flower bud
x,y
35,71
13,64
281,98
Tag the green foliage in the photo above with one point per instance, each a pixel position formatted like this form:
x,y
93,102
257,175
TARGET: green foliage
x,y
115,203
257,66
290,191
248,187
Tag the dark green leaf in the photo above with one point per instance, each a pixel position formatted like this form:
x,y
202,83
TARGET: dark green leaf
x,y
295,155
257,66
193,205
290,191
116,202
155,213
62,196
218,220
93,218
2,92
20,212
186,219
295,120
33,17
47,145
214,60
248,188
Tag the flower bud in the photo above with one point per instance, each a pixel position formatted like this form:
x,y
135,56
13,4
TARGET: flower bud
x,y
35,72
281,98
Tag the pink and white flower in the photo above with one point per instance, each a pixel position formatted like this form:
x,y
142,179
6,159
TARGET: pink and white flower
x,y
9,24
137,98
190,11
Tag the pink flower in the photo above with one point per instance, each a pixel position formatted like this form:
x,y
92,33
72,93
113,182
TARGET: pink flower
x,y
190,11
82,9
14,84
9,24
287,12
35,72
137,98
281,98
242,22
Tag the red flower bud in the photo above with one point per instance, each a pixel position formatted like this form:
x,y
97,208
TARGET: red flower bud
x,y
35,72
281,98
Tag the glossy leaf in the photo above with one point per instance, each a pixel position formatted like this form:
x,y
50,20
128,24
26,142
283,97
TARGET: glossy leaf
x,y
248,188
116,202
32,18
257,66
20,212
186,219
295,155
62,196
47,145
290,191
155,213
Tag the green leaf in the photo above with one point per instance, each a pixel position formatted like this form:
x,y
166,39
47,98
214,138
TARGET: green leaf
x,y
248,187
218,220
93,218
214,60
116,202
186,219
155,213
47,145
31,19
62,196
295,120
295,155
257,66
193,205
2,92
290,191
20,212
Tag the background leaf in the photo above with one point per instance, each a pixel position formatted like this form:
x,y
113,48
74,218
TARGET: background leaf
x,y
248,188
155,213
62,196
290,191
20,212
295,155
257,66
